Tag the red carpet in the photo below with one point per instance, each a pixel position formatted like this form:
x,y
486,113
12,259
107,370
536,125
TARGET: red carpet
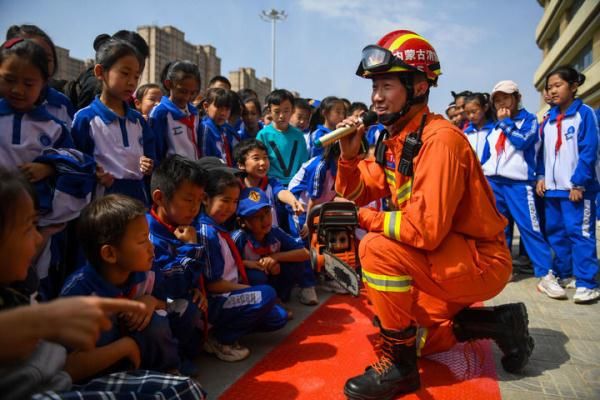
x,y
335,343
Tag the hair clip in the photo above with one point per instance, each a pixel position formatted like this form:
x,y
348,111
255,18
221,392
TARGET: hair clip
x,y
11,42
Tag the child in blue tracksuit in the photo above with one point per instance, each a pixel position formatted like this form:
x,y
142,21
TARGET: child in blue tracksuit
x,y
57,104
40,146
251,157
509,162
285,143
481,121
568,172
109,130
175,120
270,255
217,140
251,123
314,184
115,237
331,112
234,307
177,190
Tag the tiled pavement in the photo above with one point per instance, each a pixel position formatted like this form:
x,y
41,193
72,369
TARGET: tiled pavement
x,y
566,361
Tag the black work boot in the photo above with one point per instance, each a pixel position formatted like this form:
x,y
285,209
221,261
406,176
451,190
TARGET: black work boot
x,y
505,324
394,373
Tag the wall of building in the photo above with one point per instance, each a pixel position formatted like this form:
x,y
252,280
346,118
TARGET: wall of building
x,y
569,34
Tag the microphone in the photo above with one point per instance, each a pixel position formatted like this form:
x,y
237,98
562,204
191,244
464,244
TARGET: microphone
x,y
367,119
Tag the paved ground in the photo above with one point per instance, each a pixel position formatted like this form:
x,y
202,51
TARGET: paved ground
x,y
565,363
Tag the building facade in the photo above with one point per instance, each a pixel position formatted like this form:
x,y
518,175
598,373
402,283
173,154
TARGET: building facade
x,y
69,68
168,43
569,34
245,78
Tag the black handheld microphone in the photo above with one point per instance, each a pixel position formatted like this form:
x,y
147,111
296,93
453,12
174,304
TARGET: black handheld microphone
x,y
367,119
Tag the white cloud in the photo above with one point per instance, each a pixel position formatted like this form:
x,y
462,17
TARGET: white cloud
x,y
377,18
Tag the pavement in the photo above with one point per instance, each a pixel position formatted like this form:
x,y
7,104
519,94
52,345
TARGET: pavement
x,y
565,363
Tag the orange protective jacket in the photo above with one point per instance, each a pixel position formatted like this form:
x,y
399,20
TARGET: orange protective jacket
x,y
447,194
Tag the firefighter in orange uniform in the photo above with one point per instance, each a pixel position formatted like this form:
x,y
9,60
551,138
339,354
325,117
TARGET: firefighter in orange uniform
x,y
443,249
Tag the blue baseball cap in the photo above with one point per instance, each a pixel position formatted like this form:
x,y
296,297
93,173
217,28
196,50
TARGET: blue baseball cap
x,y
252,200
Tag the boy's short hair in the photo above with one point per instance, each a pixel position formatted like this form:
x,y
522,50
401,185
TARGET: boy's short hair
x,y
241,150
302,104
104,221
357,105
219,78
173,171
278,96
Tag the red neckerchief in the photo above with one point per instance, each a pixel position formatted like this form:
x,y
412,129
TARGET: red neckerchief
x,y
262,184
171,229
236,255
559,119
501,143
261,250
188,121
227,149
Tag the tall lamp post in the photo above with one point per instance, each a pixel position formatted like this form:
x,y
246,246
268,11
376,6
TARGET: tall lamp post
x,y
273,16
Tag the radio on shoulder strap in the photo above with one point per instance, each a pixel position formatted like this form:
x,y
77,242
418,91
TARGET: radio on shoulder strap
x,y
411,148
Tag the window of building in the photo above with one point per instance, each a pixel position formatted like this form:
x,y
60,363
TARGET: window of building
x,y
584,58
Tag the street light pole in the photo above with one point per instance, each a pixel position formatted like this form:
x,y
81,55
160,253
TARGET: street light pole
x,y
273,16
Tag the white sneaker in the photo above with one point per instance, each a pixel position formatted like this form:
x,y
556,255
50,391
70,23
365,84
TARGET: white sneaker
x,y
331,285
308,296
567,283
226,352
586,295
549,285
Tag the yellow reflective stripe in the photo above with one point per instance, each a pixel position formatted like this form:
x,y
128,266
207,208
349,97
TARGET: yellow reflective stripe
x,y
421,339
356,192
398,42
385,283
391,224
404,192
390,176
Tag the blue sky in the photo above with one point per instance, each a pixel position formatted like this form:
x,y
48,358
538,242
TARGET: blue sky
x,y
479,42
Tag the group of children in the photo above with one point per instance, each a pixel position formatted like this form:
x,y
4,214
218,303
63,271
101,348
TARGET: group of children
x,y
544,175
196,206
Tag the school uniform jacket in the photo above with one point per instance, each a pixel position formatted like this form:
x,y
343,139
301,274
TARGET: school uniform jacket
x,y
276,241
217,141
116,143
511,149
571,158
219,261
173,135
59,106
478,137
177,264
315,180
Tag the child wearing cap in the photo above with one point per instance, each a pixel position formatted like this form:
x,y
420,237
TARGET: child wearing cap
x,y
509,161
270,255
234,307
252,158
